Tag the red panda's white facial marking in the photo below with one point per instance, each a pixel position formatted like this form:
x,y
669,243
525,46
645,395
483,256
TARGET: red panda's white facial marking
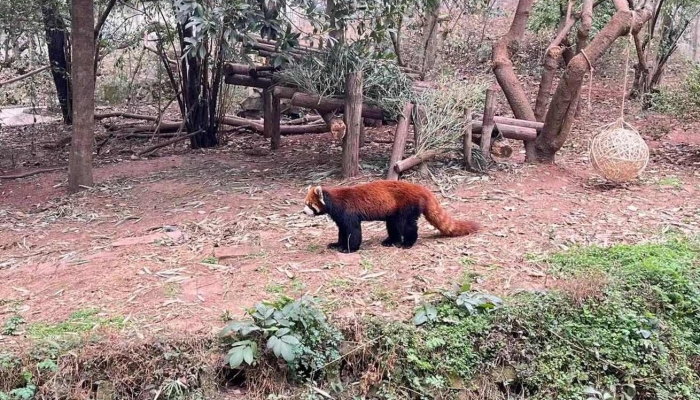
x,y
314,203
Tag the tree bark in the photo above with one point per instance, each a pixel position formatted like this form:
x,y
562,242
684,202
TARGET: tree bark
x,y
505,74
584,30
57,44
551,63
353,122
396,42
82,72
429,36
399,146
560,117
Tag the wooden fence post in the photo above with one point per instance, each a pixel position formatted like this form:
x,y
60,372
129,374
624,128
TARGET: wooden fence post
x,y
353,122
399,146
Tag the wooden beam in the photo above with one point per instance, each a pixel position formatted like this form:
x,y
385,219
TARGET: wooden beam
x,y
508,131
271,111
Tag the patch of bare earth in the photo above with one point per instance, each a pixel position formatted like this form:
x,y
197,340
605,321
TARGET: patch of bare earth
x,y
173,242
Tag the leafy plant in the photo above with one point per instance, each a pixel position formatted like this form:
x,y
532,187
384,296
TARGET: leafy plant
x,y
424,313
294,331
681,101
474,302
13,325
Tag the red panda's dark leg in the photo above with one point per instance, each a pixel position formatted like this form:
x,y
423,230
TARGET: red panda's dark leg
x,y
410,231
393,231
339,243
353,238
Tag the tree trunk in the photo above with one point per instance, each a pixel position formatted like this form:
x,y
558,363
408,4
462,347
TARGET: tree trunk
x,y
82,71
560,117
336,32
505,74
199,97
396,42
57,45
353,121
584,30
429,37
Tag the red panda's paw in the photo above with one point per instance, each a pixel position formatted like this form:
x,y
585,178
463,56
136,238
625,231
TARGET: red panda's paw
x,y
389,242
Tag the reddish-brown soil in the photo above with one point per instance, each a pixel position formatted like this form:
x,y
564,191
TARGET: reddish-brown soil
x,y
173,242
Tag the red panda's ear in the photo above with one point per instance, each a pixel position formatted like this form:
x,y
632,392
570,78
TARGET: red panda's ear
x,y
319,193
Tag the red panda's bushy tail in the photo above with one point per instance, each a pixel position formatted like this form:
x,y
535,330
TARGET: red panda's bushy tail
x,y
440,219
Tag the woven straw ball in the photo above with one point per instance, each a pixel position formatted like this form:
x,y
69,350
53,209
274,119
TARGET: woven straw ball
x,y
618,153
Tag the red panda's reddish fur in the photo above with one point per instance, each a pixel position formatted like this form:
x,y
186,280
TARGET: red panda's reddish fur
x,y
384,200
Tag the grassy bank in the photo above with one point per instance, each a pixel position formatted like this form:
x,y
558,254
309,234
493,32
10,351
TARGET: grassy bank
x,y
620,322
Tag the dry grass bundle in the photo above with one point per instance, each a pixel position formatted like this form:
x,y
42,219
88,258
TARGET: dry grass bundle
x,y
443,113
324,74
618,153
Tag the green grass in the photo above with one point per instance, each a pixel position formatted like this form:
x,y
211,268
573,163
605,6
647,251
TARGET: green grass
x,y
671,181
635,331
171,290
79,322
275,288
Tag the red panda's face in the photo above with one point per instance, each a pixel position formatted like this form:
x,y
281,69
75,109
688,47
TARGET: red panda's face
x,y
314,203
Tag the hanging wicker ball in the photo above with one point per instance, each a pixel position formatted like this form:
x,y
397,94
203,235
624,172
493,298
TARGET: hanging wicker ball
x,y
618,152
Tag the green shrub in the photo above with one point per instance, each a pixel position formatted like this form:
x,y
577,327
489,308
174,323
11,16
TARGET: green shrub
x,y
296,332
634,336
683,101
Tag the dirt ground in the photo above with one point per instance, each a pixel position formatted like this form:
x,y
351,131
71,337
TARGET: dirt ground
x,y
175,241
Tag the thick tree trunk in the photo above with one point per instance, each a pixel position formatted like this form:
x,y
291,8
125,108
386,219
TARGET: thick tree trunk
x,y
560,117
353,121
551,63
584,30
505,74
396,41
57,45
429,37
82,72
199,98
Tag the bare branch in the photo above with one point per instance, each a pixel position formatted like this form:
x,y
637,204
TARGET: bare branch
x,y
25,76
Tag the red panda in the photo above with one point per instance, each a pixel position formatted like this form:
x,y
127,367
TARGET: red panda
x,y
398,203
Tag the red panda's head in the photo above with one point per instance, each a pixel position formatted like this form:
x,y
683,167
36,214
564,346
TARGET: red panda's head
x,y
314,203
